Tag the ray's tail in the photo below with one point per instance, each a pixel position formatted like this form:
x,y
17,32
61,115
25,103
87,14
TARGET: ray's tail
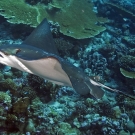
x,y
98,84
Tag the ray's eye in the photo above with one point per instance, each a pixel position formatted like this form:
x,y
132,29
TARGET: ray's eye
x,y
17,50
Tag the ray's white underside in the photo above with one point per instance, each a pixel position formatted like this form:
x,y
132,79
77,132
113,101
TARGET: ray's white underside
x,y
47,68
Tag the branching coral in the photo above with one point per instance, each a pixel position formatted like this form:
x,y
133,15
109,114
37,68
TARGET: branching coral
x,y
5,104
11,117
76,18
35,81
8,84
51,89
63,45
47,88
96,62
28,92
105,109
5,98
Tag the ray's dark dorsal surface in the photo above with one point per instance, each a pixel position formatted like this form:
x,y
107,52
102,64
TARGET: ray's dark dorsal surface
x,y
38,55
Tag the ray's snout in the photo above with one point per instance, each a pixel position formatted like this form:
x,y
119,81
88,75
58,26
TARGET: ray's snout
x,y
1,56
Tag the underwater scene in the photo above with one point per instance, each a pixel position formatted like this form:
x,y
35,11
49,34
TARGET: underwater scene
x,y
67,67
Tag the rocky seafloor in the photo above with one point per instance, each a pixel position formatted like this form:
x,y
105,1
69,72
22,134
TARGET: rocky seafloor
x,y
30,105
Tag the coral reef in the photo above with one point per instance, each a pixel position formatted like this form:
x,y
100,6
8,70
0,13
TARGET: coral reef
x,y
16,15
35,81
21,105
5,99
124,11
63,46
127,62
65,128
125,4
31,2
33,106
95,62
1,76
9,84
45,88
28,92
127,66
129,40
127,74
71,16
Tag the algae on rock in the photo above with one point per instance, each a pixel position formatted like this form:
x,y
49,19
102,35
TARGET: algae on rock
x,y
75,17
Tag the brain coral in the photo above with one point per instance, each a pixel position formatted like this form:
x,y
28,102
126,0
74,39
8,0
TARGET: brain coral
x,y
75,17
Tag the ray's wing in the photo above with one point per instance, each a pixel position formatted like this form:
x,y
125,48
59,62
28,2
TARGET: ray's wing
x,y
80,81
41,38
40,46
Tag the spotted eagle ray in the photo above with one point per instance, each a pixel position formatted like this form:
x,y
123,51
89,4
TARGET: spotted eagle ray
x,y
38,55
